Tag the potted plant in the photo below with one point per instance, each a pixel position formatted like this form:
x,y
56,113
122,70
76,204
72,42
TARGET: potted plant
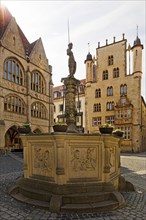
x,y
60,127
25,129
118,132
106,129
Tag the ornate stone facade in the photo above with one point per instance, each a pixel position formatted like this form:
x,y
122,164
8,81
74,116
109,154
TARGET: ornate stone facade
x,y
115,89
25,83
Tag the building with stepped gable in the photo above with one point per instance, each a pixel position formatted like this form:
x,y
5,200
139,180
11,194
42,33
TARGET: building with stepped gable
x,y
26,89
113,80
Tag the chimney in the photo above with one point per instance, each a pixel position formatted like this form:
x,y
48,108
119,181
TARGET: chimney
x,y
114,39
123,36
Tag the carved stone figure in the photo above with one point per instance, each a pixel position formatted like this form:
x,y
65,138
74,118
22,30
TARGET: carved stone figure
x,y
71,60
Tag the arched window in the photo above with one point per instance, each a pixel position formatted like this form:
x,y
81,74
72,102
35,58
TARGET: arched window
x,y
110,60
37,82
110,91
123,89
116,72
105,75
13,71
13,103
110,106
97,107
97,93
38,110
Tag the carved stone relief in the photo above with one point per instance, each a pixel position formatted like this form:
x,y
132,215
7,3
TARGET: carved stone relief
x,y
83,159
43,163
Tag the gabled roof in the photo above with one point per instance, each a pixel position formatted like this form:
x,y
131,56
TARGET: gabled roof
x,y
5,18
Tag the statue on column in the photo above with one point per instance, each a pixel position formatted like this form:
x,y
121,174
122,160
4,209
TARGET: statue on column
x,y
71,60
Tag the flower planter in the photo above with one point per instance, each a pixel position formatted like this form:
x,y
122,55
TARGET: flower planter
x,y
60,128
23,130
106,130
118,133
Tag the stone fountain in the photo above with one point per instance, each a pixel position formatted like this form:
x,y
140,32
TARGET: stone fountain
x,y
71,171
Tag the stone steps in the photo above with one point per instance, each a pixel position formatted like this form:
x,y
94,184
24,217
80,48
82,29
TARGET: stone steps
x,y
89,202
30,201
86,197
98,206
40,195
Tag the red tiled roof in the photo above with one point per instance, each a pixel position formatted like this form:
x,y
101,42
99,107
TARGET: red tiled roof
x,y
57,88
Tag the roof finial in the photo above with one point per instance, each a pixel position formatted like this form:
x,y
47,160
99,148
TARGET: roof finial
x,y
89,47
68,32
137,30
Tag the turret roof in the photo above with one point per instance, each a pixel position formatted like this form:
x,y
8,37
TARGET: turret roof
x,y
137,42
89,57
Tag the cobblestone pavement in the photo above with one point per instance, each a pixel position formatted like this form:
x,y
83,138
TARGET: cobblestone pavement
x,y
133,167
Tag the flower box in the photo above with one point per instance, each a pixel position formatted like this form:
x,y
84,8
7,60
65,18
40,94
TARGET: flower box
x,y
118,133
104,130
24,130
60,128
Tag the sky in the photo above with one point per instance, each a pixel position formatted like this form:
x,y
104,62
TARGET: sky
x,y
89,22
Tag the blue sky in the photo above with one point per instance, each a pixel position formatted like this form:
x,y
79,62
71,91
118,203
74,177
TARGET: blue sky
x,y
89,22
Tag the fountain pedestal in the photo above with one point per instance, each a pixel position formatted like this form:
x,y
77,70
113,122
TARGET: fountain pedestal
x,y
71,172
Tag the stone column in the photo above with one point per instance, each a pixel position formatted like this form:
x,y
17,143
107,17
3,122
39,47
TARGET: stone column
x,y
2,122
70,105
28,90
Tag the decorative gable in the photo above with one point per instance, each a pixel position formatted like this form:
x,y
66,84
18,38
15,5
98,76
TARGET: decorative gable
x,y
12,40
123,102
38,56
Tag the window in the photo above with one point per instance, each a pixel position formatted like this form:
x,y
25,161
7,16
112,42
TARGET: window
x,y
110,119
97,107
37,82
125,113
97,93
123,89
105,75
110,91
110,106
13,71
116,72
38,110
127,132
15,104
110,60
81,88
54,108
96,121
61,107
94,72
78,104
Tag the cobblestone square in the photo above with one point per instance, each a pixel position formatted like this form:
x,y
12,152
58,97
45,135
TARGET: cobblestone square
x,y
133,168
